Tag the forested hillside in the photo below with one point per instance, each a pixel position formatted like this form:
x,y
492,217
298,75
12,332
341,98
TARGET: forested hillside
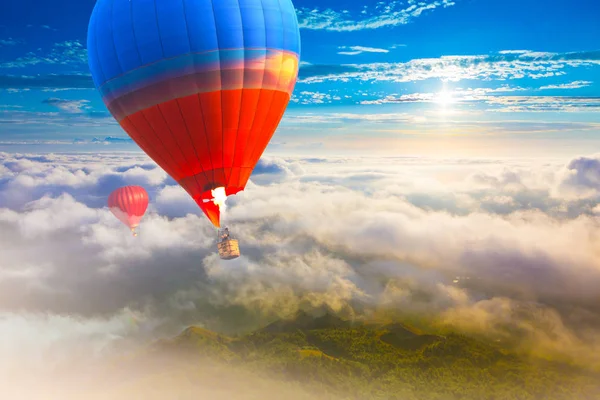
x,y
393,361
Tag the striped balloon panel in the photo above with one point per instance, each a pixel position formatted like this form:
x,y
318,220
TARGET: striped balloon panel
x,y
200,73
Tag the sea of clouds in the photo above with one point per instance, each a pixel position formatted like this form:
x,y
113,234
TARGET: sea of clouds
x,y
508,248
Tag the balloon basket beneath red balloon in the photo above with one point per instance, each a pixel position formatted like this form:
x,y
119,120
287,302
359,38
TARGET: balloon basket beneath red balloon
x,y
228,247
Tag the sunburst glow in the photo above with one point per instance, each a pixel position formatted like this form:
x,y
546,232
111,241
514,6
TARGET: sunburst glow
x,y
444,98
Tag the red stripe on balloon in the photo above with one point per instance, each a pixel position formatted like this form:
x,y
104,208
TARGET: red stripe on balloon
x,y
142,133
249,106
187,85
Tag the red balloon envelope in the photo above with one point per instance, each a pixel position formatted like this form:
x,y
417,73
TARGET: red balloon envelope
x,y
129,205
199,85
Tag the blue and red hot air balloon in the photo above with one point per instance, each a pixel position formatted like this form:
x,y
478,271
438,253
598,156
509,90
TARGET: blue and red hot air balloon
x,y
200,85
129,204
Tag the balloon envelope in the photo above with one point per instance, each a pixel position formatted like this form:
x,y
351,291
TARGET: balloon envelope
x,y
199,85
129,204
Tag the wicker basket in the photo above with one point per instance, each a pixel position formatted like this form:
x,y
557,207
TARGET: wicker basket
x,y
228,249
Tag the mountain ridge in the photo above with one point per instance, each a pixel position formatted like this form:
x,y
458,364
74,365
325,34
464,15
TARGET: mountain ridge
x,y
366,360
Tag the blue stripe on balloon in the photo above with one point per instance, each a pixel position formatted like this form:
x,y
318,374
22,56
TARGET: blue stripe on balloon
x,y
291,34
253,24
201,25
172,27
274,22
126,35
94,62
145,26
125,46
105,42
229,24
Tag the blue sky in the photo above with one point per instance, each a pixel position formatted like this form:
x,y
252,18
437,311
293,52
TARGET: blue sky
x,y
401,77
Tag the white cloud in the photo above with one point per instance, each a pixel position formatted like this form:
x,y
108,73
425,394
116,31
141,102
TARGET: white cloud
x,y
63,89
48,27
580,178
51,357
29,177
500,101
69,52
22,339
308,97
9,42
17,90
405,98
70,106
79,116
570,85
500,67
389,14
354,50
336,118
174,201
542,103
48,216
314,233
514,51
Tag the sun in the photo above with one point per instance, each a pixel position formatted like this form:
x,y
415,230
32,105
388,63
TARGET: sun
x,y
444,98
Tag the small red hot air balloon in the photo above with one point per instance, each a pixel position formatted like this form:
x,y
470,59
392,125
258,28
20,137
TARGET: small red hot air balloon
x,y
129,204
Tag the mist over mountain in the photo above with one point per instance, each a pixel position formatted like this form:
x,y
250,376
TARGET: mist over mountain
x,y
320,357
494,261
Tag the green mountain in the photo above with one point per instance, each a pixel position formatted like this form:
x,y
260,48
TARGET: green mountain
x,y
352,360
303,321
